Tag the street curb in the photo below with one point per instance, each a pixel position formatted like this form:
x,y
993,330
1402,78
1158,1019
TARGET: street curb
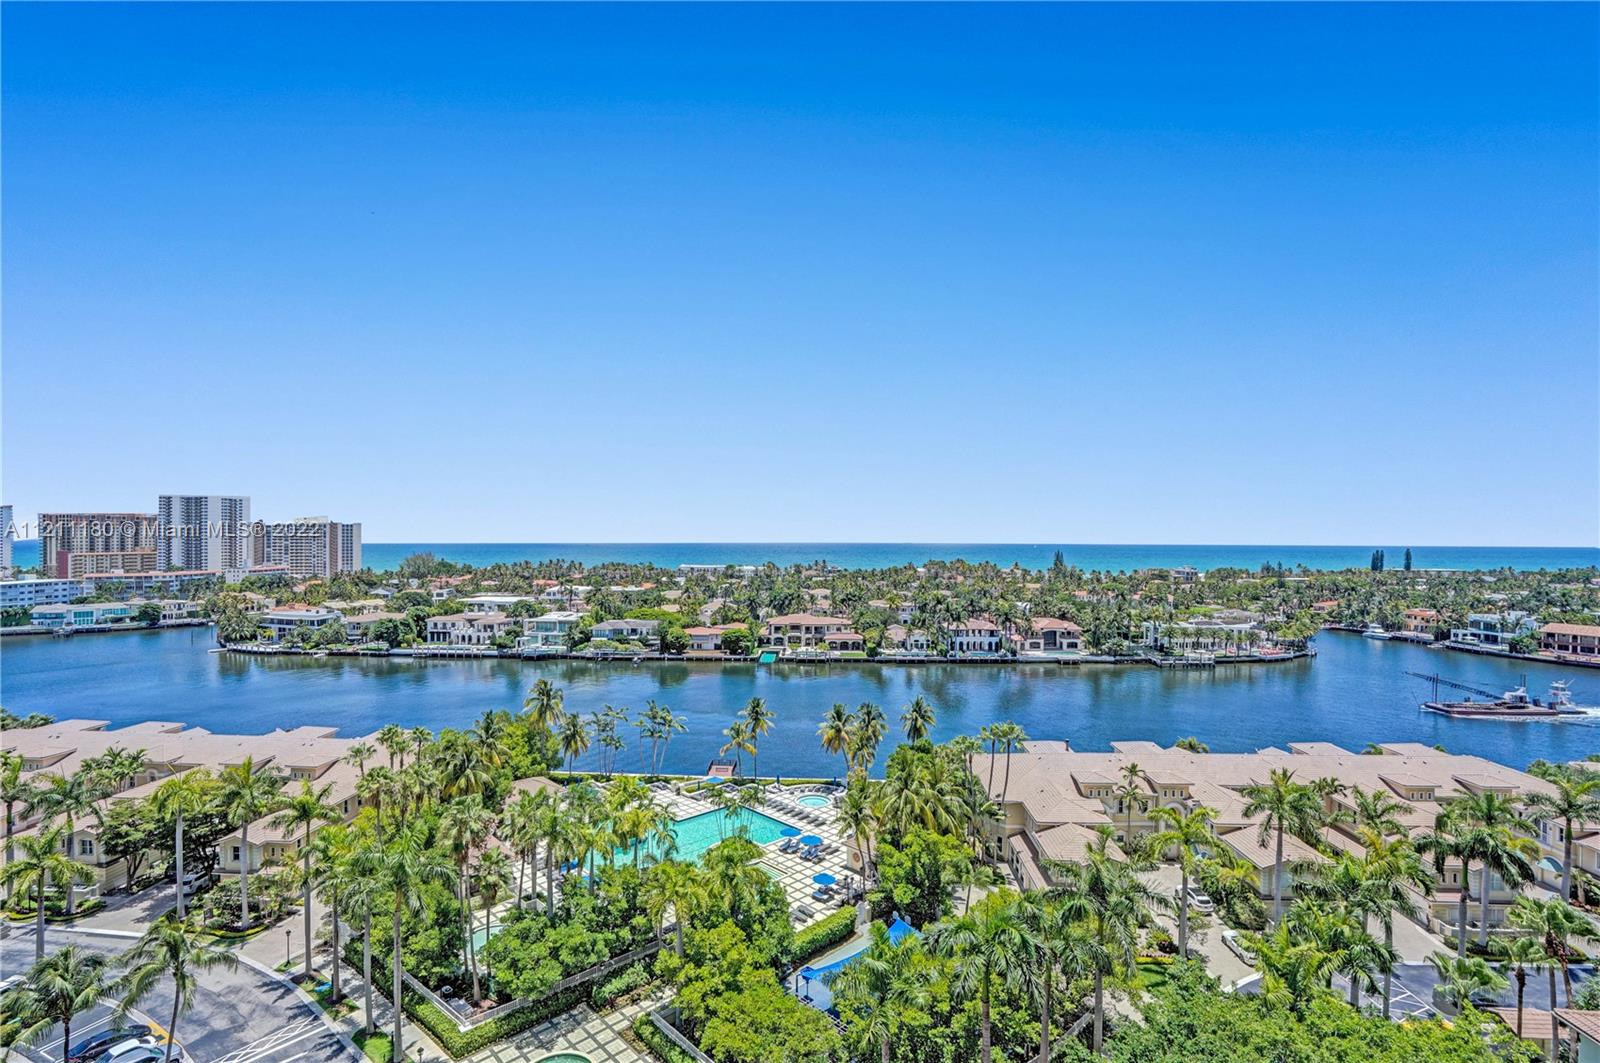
x,y
307,999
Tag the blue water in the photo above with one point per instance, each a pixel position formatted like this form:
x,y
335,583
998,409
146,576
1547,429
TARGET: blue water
x,y
1353,692
696,834
1089,557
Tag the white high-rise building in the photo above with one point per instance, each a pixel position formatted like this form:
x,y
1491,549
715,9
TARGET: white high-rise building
x,y
204,532
7,533
310,546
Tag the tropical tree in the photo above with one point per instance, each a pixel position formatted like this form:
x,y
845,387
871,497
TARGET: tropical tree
x,y
14,791
544,706
1460,979
463,826
1131,794
55,989
858,821
1499,842
493,878
1011,736
881,987
303,812
358,755
245,794
574,738
835,731
392,737
758,718
1555,923
179,797
1390,870
41,865
1378,812
401,869
990,944
1525,954
917,718
1451,840
331,850
739,741
63,799
1576,800
679,885
1064,951
1187,832
171,948
1285,807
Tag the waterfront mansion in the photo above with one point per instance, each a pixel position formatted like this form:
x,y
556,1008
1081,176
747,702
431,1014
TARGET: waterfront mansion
x,y
1056,799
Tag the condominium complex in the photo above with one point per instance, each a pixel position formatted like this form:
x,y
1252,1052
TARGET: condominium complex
x,y
74,545
205,532
309,546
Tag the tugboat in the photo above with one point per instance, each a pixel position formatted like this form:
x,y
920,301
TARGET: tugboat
x,y
1375,631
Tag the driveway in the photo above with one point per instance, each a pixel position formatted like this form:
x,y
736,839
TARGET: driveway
x,y
238,1016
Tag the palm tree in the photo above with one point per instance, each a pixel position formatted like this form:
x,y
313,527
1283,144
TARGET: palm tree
x,y
1499,842
857,821
14,791
303,812
1012,736
544,705
680,885
1294,970
493,877
1451,841
363,891
245,795
1525,954
172,948
574,738
738,743
1575,800
1186,832
758,719
1191,745
331,852
1390,869
1130,794
419,738
65,798
835,731
990,942
519,828
882,986
463,826
917,719
868,732
1555,923
1461,978
1284,806
401,869
1063,950
181,796
392,737
55,989
1376,811
358,755
41,865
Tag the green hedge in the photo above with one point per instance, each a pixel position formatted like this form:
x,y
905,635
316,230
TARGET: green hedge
x,y
824,934
645,1032
630,978
443,1029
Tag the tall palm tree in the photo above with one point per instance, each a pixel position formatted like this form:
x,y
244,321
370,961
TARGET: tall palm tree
x,y
990,943
917,718
574,738
392,737
758,718
1285,807
14,791
681,886
493,878
463,826
331,850
401,869
882,986
182,796
868,732
55,989
1500,844
1378,812
1460,978
1391,869
171,948
857,820
304,812
544,705
41,865
1525,954
245,794
1555,923
1451,840
419,738
1187,832
1011,736
519,828
363,893
835,730
1063,953
1131,794
1575,800
358,755
64,798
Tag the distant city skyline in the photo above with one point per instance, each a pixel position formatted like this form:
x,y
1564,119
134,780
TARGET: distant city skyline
x,y
1141,274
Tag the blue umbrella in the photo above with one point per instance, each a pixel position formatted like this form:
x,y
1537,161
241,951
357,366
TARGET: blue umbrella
x,y
811,839
790,832
823,879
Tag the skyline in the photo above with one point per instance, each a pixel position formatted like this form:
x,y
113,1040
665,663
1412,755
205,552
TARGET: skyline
x,y
1262,275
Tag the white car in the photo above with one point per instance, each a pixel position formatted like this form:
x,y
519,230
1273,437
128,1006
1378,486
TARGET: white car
x,y
1199,902
1230,938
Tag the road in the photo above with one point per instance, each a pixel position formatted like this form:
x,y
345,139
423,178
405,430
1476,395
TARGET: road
x,y
238,1016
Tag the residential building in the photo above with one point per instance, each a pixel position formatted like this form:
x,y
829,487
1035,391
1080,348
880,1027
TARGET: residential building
x,y
1494,629
470,629
897,638
310,547
976,635
645,631
1582,640
29,592
72,545
1185,574
708,639
145,584
1058,799
801,630
548,633
845,642
1577,1027
283,620
204,532
1048,635
1420,621
90,614
494,603
358,628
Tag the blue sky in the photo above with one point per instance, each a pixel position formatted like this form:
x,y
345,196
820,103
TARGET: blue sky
x,y
1069,274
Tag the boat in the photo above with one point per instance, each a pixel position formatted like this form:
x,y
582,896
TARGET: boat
x,y
1375,631
1512,705
1560,697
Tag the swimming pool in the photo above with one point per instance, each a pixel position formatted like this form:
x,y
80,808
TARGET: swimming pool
x,y
814,801
698,833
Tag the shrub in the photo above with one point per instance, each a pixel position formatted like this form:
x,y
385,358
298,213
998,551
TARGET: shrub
x,y
645,1033
824,934
443,1029
634,976
1161,941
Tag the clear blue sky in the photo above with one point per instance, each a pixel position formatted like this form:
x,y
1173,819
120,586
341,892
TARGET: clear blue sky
x,y
1308,274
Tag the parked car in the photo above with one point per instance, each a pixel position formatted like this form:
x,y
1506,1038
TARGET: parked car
x,y
1230,938
135,1050
10,982
194,882
1199,902
96,1045
149,1054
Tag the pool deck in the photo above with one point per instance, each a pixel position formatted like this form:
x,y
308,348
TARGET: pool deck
x,y
582,1030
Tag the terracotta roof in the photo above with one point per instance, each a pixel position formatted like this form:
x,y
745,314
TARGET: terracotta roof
x,y
1586,1023
1590,630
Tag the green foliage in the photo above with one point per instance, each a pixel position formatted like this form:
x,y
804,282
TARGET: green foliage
x,y
1194,1022
148,613
738,642
532,952
633,977
759,1021
645,1032
824,934
443,1029
916,877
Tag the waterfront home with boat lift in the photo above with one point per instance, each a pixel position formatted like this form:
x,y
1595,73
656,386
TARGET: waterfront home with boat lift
x,y
642,631
1578,640
1494,629
283,619
548,633
975,636
469,629
801,630
1057,800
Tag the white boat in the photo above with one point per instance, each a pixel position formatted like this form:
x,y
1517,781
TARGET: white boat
x,y
1560,697
1375,631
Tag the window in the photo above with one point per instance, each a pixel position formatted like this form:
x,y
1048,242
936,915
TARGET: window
x,y
85,847
236,854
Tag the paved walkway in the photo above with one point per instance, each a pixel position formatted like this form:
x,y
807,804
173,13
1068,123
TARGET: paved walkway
x,y
580,1030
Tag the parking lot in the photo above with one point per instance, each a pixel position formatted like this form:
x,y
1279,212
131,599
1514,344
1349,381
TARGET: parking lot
x,y
1414,984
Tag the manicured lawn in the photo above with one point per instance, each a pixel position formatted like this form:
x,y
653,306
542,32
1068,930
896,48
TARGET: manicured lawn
x,y
375,1047
1152,976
